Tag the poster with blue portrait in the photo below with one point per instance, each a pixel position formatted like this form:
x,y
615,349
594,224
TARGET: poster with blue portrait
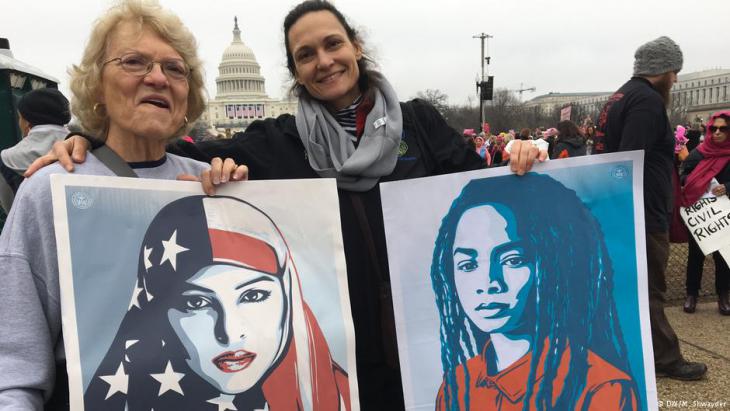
x,y
523,292
173,300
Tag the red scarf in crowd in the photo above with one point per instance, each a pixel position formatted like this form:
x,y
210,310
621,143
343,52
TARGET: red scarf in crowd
x,y
716,157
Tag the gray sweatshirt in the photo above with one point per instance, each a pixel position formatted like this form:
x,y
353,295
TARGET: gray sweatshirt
x,y
18,157
30,312
38,142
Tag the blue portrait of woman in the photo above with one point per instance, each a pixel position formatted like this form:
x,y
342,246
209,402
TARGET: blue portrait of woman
x,y
524,289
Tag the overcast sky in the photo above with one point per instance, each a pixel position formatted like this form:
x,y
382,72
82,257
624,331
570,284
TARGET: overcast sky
x,y
565,46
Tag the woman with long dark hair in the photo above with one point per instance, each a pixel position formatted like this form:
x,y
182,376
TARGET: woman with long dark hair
x,y
570,142
525,298
217,317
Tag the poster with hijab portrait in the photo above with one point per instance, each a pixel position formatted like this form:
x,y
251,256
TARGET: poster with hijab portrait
x,y
173,300
523,292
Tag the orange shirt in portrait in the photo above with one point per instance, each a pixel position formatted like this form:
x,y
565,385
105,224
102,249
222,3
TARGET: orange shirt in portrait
x,y
607,388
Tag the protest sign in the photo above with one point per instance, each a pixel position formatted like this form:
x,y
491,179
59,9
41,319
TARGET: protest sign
x,y
565,113
508,287
708,220
176,300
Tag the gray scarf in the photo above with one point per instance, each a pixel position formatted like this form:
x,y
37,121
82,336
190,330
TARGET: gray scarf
x,y
330,151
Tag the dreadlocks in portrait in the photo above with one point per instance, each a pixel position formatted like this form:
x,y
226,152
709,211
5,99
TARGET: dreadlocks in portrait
x,y
524,293
217,320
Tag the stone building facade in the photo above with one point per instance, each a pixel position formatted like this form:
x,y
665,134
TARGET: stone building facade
x,y
695,95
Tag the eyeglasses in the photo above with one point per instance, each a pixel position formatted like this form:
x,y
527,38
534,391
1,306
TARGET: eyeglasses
x,y
722,129
139,65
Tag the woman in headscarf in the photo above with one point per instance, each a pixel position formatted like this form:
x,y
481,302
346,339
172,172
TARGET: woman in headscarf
x,y
525,298
707,168
221,322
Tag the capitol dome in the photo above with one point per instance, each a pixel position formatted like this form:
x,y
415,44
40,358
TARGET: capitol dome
x,y
239,74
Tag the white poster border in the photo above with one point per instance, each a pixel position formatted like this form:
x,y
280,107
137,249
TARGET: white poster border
x,y
59,183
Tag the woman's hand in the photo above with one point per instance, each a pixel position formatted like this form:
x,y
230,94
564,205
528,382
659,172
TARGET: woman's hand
x,y
523,155
220,172
67,152
719,190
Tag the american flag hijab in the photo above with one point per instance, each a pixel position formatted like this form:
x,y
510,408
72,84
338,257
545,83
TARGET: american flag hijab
x,y
147,366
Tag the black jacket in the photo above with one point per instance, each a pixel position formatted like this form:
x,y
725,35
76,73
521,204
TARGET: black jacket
x,y
272,149
693,159
693,139
635,118
569,147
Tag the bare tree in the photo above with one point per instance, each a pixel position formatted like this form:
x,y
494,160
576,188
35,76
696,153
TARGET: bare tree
x,y
677,112
462,116
504,111
199,131
436,97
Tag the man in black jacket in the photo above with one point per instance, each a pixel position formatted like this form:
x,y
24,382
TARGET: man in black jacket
x,y
635,118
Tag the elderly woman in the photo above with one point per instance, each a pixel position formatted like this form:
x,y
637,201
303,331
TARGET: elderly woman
x,y
352,127
138,86
524,294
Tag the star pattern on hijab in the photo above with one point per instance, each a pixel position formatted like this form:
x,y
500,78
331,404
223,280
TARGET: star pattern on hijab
x,y
128,344
224,402
147,263
118,382
171,250
169,380
147,293
135,297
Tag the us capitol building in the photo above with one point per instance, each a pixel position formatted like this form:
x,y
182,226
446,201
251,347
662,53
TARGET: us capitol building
x,y
241,95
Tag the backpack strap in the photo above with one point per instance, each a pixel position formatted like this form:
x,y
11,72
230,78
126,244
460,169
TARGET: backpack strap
x,y
112,160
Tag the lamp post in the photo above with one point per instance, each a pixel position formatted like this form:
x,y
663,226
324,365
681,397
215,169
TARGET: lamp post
x,y
484,88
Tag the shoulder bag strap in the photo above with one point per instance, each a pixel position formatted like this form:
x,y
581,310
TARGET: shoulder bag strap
x,y
113,161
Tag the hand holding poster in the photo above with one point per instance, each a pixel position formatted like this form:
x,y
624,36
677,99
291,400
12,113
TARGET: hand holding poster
x,y
708,220
176,300
522,291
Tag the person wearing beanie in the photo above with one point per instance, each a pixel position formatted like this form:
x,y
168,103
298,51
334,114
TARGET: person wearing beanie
x,y
657,57
42,114
635,118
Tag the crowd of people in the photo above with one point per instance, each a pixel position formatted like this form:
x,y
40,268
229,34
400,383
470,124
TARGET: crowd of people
x,y
565,140
139,87
694,144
